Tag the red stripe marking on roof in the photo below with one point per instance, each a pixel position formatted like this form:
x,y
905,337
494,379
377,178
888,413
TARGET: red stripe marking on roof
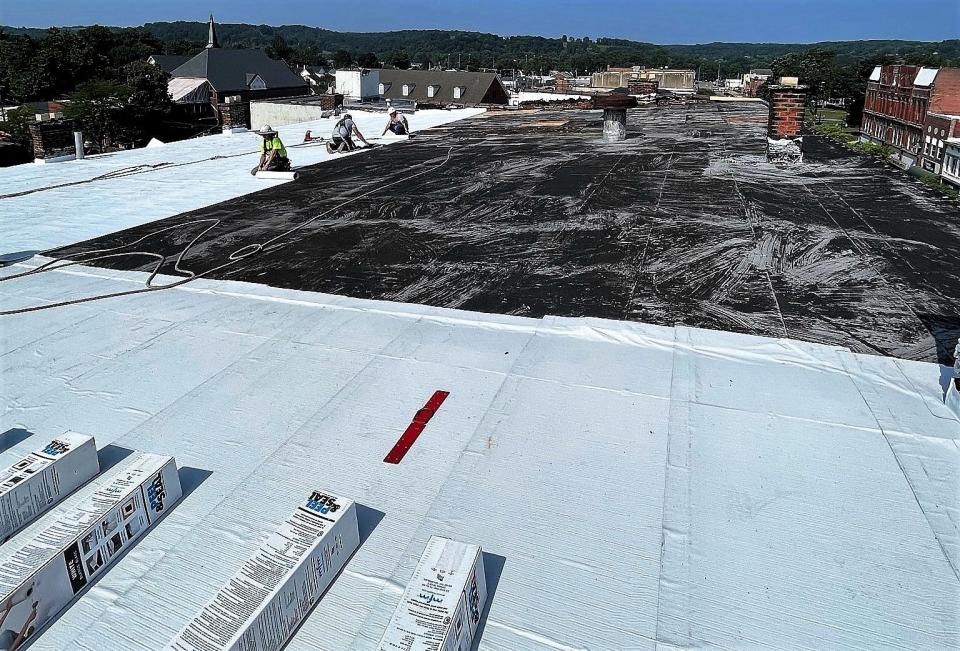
x,y
416,426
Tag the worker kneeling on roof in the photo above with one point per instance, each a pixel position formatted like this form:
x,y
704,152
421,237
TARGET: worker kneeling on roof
x,y
343,132
397,123
273,155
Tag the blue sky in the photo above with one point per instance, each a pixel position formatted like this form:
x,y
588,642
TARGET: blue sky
x,y
657,21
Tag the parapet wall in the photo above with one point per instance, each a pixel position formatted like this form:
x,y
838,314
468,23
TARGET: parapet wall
x,y
280,113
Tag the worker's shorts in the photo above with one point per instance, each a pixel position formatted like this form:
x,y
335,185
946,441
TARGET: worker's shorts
x,y
339,143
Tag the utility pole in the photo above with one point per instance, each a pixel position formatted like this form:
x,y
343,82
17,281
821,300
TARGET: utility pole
x,y
3,111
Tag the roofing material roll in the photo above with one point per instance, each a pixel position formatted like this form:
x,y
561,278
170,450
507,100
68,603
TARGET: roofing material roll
x,y
283,176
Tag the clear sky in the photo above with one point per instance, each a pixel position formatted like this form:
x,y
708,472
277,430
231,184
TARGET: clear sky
x,y
657,21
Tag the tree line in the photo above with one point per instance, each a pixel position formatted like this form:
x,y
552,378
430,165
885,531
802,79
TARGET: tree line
x,y
118,98
115,95
302,45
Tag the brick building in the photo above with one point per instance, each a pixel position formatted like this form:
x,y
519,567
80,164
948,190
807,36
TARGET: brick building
x,y
754,79
898,101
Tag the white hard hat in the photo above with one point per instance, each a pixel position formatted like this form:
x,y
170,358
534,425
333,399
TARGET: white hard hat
x,y
393,109
266,130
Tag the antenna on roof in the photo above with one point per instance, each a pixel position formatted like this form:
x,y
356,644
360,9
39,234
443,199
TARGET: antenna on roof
x,y
212,35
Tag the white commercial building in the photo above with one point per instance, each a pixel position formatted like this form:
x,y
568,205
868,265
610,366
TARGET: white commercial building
x,y
951,162
358,84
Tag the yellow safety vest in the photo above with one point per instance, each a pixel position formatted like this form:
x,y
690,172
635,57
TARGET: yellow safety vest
x,y
269,145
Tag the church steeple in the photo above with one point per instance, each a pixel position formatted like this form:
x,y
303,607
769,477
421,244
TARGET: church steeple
x,y
212,35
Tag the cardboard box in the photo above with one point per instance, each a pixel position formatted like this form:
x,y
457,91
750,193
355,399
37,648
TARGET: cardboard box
x,y
264,603
41,577
36,482
441,607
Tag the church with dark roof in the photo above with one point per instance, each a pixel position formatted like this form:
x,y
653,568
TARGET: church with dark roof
x,y
222,81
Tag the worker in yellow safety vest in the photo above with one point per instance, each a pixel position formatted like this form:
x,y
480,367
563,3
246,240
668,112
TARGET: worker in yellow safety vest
x,y
273,155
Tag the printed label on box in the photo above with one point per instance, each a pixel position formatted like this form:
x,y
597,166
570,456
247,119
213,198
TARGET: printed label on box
x,y
40,578
38,481
442,605
264,603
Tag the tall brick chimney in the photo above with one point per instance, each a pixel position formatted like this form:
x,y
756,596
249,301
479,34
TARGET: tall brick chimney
x,y
234,114
785,123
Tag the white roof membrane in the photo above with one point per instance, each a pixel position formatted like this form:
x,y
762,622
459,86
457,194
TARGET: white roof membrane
x,y
644,485
926,76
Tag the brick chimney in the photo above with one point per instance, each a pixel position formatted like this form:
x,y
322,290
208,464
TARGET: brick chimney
x,y
642,86
234,114
785,123
52,140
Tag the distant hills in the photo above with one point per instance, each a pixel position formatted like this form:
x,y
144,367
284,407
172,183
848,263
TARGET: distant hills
x,y
475,49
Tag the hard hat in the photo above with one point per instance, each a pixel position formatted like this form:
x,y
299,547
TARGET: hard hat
x,y
393,109
266,130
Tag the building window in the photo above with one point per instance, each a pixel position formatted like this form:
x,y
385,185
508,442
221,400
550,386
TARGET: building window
x,y
431,90
407,89
458,92
383,89
952,165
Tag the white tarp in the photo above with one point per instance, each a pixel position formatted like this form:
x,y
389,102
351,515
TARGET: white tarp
x,y
643,485
926,76
530,96
875,75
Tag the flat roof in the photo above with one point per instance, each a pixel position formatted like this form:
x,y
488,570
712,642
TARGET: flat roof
x,y
62,203
530,213
672,485
664,478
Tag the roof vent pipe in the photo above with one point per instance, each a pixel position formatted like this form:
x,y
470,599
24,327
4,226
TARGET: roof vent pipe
x,y
78,144
614,107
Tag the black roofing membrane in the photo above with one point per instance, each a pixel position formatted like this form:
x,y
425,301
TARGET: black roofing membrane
x,y
530,213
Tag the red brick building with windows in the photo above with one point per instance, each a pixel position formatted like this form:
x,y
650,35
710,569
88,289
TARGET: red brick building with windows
x,y
898,101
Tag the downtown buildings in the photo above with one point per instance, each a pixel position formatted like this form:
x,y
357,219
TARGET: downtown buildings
x,y
916,111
